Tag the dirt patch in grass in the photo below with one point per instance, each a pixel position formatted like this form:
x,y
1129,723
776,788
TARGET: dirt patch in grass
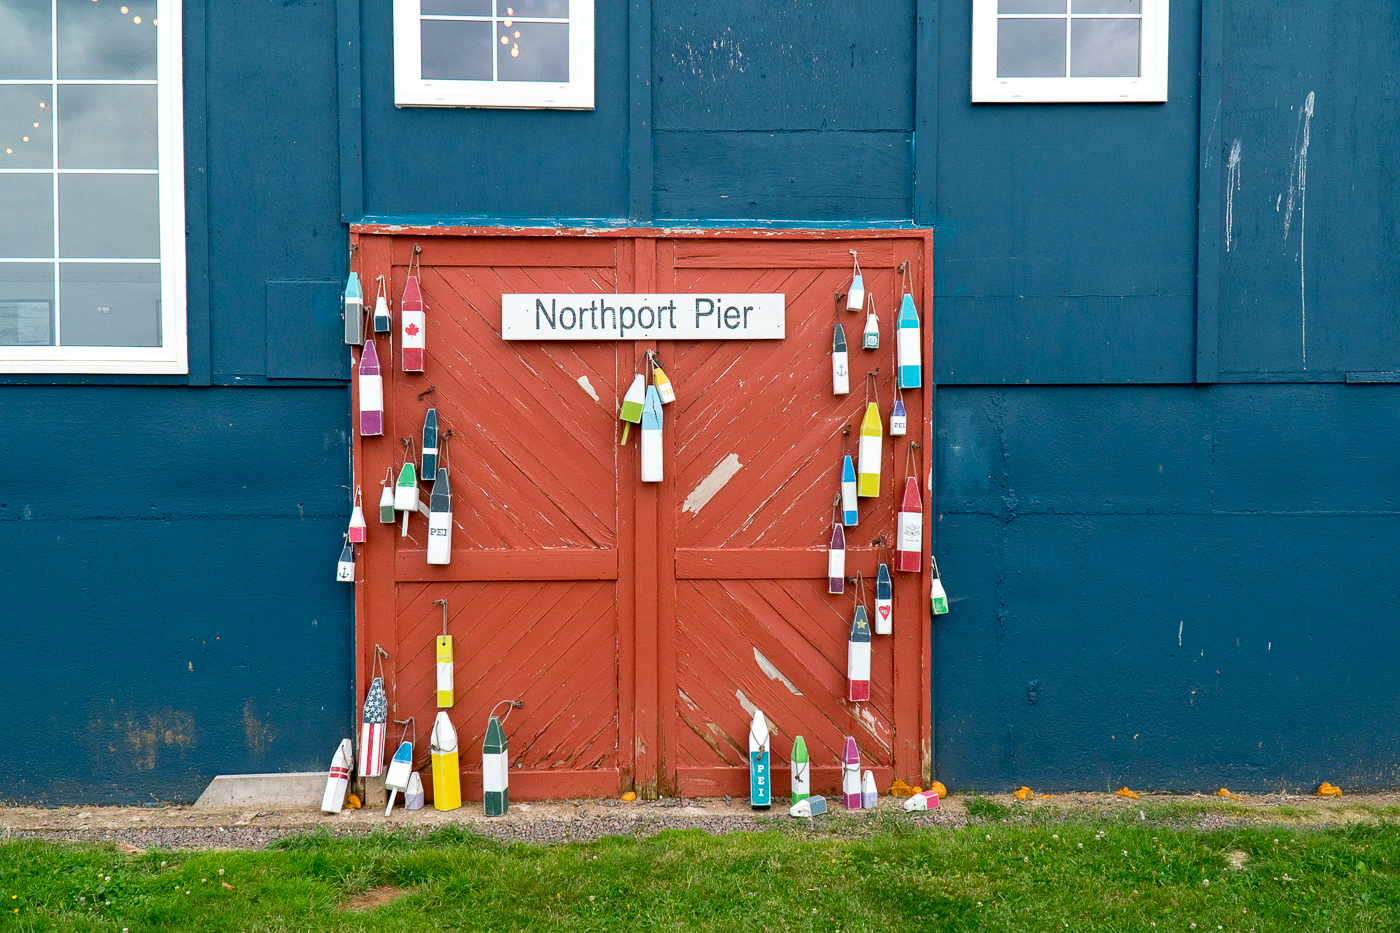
x,y
374,897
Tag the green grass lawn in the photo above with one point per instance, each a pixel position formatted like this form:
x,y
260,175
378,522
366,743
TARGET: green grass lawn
x,y
1011,871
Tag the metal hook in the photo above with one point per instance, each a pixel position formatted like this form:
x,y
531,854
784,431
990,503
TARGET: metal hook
x,y
431,390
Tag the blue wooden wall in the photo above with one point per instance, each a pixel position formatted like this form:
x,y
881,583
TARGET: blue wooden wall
x,y
1168,537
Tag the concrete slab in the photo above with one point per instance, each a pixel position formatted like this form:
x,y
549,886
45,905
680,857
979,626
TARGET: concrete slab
x,y
287,789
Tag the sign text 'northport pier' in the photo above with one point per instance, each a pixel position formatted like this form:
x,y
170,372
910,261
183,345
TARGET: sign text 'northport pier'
x,y
642,317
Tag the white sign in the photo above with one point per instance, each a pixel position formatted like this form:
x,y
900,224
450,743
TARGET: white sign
x,y
642,317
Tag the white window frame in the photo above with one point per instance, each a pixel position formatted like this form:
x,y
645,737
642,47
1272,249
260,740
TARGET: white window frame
x,y
172,356
411,90
1149,87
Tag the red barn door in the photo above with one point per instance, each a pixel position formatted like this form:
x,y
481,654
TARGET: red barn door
x,y
642,623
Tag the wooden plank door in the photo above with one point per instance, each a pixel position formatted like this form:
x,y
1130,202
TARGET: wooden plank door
x,y
532,588
753,466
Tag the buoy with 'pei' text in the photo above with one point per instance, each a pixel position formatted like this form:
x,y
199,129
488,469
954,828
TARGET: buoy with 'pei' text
x,y
447,774
372,725
371,383
495,769
801,770
909,544
884,601
840,362
871,446
760,769
338,781
412,323
440,520
663,385
850,774
899,419
651,437
850,508
352,306
858,658
836,561
345,568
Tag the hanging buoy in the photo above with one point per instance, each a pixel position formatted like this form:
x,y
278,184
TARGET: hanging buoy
x,y
871,443
400,767
855,295
440,520
413,797
869,793
663,385
430,443
850,774
338,781
808,806
445,697
858,658
372,725
884,601
406,493
907,344
632,404
371,392
801,771
840,362
495,769
386,504
447,775
358,532
412,322
899,419
909,544
352,308
345,569
382,321
850,513
870,337
651,437
938,599
836,561
760,785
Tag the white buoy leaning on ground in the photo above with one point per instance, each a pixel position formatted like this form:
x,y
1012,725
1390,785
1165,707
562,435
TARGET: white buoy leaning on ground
x,y
808,806
339,779
923,800
413,797
396,779
869,794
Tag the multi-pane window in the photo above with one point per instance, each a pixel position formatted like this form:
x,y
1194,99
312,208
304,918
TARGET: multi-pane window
x,y
493,53
91,246
1069,50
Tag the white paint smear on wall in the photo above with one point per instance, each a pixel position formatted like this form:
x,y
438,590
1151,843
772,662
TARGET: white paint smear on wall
x,y
587,387
710,486
769,668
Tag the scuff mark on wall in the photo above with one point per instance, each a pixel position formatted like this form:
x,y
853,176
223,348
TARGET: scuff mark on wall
x,y
1298,195
136,740
1232,184
773,673
710,486
587,387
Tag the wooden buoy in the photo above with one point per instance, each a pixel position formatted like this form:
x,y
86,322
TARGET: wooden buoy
x,y
808,806
495,769
760,772
400,767
371,392
907,345
386,503
855,295
447,774
801,771
383,323
406,493
632,404
412,323
850,774
840,362
909,543
884,601
651,436
869,793
899,419
858,658
372,725
440,520
358,532
850,507
923,800
430,443
413,797
836,561
445,688
870,337
663,384
352,308
871,446
938,599
345,567
338,781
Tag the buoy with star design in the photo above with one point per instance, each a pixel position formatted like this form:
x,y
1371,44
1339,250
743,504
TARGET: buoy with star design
x,y
858,657
373,720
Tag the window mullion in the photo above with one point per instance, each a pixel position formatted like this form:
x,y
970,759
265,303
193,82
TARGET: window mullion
x,y
53,137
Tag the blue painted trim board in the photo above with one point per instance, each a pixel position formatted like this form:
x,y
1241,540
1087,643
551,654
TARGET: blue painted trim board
x,y
1212,149
640,175
196,110
349,94
926,115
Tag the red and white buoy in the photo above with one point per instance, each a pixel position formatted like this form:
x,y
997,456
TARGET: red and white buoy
x,y
412,323
358,532
858,658
339,779
909,542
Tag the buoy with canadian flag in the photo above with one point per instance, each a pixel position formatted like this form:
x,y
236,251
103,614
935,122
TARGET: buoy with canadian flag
x,y
413,320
